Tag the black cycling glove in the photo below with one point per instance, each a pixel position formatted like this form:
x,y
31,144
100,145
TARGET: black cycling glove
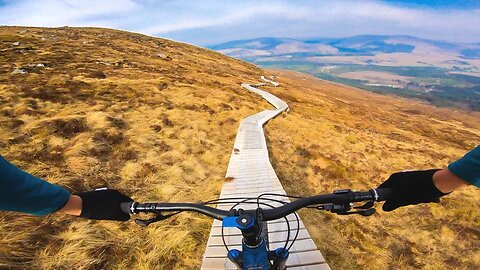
x,y
104,204
410,188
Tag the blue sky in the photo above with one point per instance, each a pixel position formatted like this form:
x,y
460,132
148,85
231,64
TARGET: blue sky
x,y
466,4
209,22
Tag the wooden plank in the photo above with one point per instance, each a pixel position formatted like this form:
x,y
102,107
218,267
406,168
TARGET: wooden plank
x,y
303,246
217,231
300,245
273,237
217,263
254,183
272,227
234,195
253,188
252,193
305,258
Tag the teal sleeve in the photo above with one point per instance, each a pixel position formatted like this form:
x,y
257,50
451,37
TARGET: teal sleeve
x,y
22,192
468,167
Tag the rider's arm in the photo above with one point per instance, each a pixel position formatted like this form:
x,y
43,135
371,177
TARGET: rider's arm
x,y
447,182
22,192
467,168
414,187
73,206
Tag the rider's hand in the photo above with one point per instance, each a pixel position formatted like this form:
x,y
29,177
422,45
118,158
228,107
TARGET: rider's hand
x,y
104,204
409,188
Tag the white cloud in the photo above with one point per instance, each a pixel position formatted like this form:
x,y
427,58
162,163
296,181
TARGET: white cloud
x,y
59,13
229,16
415,17
210,21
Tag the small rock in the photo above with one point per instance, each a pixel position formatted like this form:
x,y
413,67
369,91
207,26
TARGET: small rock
x,y
157,128
103,63
19,71
23,32
36,65
16,43
164,56
85,42
162,85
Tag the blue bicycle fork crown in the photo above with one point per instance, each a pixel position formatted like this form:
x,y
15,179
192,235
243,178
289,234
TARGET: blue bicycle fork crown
x,y
255,257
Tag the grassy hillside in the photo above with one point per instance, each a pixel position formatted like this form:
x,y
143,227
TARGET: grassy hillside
x,y
156,119
151,117
338,137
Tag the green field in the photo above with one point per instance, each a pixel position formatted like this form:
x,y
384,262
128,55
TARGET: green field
x,y
431,84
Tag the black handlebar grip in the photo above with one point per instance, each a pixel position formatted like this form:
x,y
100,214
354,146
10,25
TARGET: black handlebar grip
x,y
383,193
125,206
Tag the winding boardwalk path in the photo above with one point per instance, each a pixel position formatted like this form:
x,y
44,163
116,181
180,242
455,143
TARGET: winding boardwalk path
x,y
251,174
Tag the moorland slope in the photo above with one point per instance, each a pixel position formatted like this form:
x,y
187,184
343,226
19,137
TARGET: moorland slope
x,y
87,108
156,119
338,137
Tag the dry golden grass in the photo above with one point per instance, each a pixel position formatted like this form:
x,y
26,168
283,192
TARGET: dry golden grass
x,y
157,120
107,110
338,137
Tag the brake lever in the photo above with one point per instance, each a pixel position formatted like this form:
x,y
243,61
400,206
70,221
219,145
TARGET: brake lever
x,y
344,209
335,208
158,217
365,212
367,205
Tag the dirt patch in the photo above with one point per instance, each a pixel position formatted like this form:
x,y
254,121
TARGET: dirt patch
x,y
68,128
97,75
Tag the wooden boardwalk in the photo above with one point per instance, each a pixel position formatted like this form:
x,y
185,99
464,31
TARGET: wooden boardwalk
x,y
252,174
269,81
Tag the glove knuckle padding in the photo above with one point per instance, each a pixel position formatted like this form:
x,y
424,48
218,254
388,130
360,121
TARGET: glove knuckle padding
x,y
410,188
104,205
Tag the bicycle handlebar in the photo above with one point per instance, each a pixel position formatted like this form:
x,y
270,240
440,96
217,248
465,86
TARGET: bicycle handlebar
x,y
340,197
135,208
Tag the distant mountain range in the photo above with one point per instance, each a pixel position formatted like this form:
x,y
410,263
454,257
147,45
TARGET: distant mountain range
x,y
364,45
444,73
